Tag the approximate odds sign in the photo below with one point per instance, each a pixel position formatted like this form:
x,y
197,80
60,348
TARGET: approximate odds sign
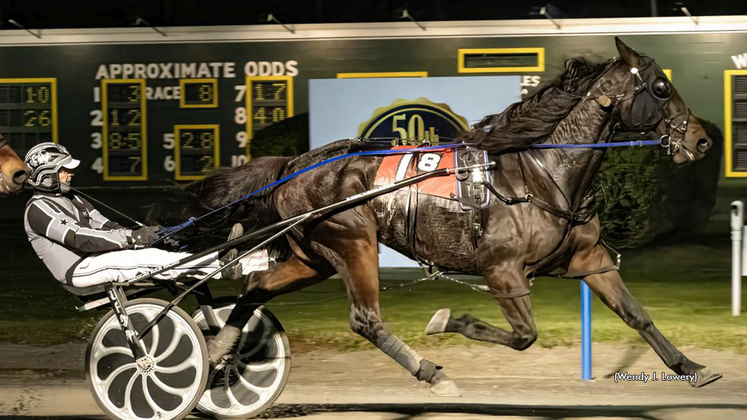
x,y
136,112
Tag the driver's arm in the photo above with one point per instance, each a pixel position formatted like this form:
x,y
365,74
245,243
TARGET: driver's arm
x,y
46,220
99,221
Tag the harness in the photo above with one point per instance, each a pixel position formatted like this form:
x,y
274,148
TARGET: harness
x,y
475,185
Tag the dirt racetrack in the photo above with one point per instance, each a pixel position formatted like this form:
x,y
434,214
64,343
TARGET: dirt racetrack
x,y
539,383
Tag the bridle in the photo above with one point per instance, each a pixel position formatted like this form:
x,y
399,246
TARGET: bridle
x,y
674,138
667,140
582,215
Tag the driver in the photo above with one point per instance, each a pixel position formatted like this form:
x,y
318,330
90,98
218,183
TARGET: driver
x,y
80,246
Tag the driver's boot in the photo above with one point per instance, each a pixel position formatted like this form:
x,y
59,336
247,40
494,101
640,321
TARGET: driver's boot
x,y
235,272
223,343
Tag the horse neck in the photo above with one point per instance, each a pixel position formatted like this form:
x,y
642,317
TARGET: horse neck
x,y
574,169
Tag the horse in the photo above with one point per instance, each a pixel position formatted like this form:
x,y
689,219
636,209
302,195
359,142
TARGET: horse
x,y
13,172
547,226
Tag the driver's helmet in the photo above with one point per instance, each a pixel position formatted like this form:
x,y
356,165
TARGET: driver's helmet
x,y
45,160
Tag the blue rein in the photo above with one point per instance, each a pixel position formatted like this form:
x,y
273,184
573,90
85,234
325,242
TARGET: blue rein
x,y
598,145
168,231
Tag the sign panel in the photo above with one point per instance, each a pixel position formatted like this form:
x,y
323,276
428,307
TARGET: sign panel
x,y
269,100
198,93
124,130
28,112
197,150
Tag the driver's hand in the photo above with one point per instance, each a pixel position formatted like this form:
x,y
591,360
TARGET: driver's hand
x,y
145,236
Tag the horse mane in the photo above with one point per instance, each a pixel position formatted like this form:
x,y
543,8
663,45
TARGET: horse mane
x,y
534,119
331,150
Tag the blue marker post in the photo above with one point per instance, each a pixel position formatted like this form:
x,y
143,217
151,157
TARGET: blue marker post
x,y
585,332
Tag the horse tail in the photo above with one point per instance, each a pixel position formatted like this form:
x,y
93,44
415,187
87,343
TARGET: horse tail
x,y
227,185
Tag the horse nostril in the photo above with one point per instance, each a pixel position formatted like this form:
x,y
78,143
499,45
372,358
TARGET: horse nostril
x,y
704,144
19,177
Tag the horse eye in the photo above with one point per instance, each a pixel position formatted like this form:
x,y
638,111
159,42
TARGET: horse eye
x,y
661,88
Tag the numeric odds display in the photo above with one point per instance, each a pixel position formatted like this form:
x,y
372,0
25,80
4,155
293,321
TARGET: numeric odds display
x,y
28,112
269,100
197,150
124,131
198,93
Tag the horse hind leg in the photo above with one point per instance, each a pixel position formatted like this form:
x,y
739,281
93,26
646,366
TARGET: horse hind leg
x,y
259,288
513,297
357,262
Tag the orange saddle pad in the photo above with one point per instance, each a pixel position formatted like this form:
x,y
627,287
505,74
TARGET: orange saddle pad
x,y
398,167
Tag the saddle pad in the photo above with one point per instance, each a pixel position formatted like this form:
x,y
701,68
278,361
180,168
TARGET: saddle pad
x,y
398,167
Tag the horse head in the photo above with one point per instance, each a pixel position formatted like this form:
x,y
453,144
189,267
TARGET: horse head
x,y
644,100
13,172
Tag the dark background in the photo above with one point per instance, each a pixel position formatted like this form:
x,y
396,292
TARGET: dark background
x,y
41,14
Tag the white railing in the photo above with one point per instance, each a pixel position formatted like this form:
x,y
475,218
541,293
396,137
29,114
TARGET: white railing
x,y
738,255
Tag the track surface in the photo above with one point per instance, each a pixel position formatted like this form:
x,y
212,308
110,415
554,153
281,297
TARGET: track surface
x,y
539,383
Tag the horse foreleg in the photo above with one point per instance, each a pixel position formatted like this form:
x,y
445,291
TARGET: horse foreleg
x,y
609,287
513,298
357,262
259,288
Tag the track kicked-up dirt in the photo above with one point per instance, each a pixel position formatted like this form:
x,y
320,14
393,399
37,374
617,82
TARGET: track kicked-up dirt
x,y
540,383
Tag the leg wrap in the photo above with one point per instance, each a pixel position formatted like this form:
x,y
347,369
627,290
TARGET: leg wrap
x,y
429,372
422,369
401,353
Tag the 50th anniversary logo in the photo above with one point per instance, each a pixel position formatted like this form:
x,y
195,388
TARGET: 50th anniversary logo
x,y
414,121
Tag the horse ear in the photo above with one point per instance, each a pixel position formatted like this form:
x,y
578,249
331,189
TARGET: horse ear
x,y
631,57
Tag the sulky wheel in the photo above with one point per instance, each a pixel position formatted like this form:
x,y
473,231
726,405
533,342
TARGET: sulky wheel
x,y
251,379
169,386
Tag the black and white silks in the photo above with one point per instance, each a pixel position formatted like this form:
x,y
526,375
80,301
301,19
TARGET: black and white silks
x,y
65,229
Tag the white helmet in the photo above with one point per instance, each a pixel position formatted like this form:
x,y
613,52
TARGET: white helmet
x,y
45,160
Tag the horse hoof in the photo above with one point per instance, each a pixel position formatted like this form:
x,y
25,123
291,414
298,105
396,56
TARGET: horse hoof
x,y
438,322
446,388
705,377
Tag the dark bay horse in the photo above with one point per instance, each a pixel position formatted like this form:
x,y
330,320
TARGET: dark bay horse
x,y
586,104
13,172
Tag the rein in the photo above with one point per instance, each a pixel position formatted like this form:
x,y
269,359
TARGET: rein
x,y
169,231
601,145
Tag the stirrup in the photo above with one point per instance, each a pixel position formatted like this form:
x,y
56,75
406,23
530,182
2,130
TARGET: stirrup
x,y
236,271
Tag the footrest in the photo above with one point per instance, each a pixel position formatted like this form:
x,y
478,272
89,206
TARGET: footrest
x,y
85,291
